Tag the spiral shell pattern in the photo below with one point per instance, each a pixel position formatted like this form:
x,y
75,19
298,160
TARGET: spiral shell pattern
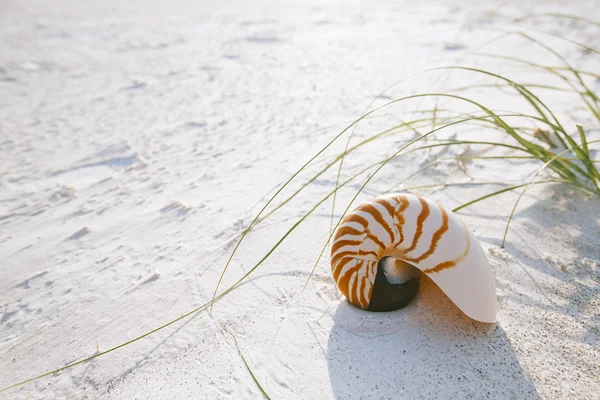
x,y
407,227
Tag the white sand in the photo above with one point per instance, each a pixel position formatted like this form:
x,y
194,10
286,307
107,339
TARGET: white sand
x,y
135,141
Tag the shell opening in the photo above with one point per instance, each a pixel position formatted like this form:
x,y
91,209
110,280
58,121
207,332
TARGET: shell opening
x,y
389,296
398,271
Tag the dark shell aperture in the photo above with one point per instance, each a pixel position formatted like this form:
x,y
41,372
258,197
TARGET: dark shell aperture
x,y
387,296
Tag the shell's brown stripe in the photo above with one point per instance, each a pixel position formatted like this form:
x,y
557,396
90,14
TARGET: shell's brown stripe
x,y
341,255
363,299
399,215
404,203
366,298
354,284
452,263
367,232
371,272
344,281
338,244
337,268
349,253
361,221
352,288
386,204
375,239
357,219
378,217
440,267
361,292
347,230
435,238
420,221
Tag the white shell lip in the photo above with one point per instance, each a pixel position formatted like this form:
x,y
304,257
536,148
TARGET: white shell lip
x,y
470,284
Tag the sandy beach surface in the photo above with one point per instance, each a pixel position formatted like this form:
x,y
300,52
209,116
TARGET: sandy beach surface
x,y
138,139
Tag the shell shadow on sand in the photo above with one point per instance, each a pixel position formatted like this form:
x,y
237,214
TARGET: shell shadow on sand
x,y
429,349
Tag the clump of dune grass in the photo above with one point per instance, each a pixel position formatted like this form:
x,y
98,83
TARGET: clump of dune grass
x,y
536,132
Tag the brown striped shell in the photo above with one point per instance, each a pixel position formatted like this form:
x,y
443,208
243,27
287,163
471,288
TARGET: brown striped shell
x,y
419,232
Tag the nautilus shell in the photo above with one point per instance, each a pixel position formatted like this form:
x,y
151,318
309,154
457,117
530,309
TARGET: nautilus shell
x,y
377,247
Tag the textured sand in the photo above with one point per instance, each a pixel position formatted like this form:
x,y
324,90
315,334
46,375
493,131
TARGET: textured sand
x,y
136,140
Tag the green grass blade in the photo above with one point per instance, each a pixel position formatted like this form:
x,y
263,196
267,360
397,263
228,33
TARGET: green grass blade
x,y
475,184
594,175
559,15
508,189
249,369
